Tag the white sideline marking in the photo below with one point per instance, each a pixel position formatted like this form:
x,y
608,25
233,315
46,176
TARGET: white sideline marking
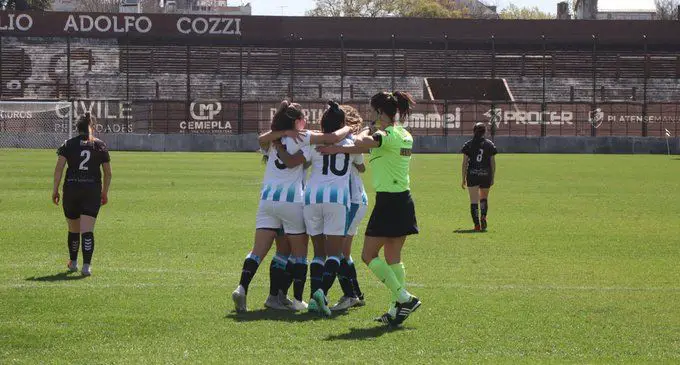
x,y
543,287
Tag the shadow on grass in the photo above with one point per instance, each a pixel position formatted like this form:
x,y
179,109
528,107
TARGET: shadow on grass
x,y
467,231
277,315
364,333
61,276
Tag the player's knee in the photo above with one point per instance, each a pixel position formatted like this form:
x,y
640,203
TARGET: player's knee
x,y
367,257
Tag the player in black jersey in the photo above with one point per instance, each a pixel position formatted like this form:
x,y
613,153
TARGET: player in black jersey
x,y
479,168
83,189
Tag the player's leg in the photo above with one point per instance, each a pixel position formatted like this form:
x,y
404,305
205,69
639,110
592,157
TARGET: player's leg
x,y
380,225
294,226
264,239
314,223
73,243
403,309
352,272
334,228
395,220
88,218
298,245
473,191
281,242
277,274
87,237
266,226
316,268
72,210
347,275
484,204
333,250
343,272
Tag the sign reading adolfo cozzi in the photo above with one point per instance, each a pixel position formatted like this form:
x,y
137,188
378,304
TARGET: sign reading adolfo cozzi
x,y
56,24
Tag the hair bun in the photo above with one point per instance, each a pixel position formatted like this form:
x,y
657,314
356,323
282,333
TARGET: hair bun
x,y
335,106
284,105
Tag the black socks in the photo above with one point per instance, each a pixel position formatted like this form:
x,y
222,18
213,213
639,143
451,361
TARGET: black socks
x,y
250,265
474,211
88,247
347,276
73,245
331,268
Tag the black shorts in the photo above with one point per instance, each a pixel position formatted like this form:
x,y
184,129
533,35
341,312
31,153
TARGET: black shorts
x,y
394,215
81,201
483,181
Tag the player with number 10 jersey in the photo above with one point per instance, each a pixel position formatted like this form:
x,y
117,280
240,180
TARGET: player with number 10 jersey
x,y
327,202
281,206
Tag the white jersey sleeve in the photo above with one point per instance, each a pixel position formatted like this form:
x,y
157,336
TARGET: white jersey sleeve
x,y
359,159
356,185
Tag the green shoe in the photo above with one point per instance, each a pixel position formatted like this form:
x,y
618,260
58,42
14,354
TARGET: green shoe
x,y
312,307
321,304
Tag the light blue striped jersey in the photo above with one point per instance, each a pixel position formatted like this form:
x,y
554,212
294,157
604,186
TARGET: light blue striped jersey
x,y
282,184
329,179
356,185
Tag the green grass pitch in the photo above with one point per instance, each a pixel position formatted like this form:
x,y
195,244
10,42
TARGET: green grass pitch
x,y
581,265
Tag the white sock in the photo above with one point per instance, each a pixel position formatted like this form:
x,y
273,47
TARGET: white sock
x,y
403,296
393,310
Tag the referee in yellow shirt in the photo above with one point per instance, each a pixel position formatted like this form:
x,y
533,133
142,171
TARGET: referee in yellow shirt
x,y
394,215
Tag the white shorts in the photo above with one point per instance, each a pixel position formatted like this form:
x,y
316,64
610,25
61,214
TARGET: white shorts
x,y
275,215
326,218
356,214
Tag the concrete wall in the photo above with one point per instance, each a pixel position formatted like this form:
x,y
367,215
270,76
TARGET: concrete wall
x,y
422,144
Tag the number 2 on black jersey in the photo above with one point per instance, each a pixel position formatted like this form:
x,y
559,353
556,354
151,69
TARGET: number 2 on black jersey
x,y
331,160
86,154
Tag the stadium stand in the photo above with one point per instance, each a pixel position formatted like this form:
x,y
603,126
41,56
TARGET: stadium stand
x,y
99,67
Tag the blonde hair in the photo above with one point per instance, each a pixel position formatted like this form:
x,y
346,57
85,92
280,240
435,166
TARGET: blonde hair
x,y
353,118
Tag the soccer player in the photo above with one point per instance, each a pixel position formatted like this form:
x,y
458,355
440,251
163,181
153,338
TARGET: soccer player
x,y
280,267
393,217
281,203
478,171
83,191
347,275
327,200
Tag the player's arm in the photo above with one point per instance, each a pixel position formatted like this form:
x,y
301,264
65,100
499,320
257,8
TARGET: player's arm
x,y
268,137
329,138
493,168
106,167
358,162
58,172
289,160
466,160
367,141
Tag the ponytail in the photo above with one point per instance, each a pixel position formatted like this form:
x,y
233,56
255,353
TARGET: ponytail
x,y
404,103
333,118
286,115
391,103
83,126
